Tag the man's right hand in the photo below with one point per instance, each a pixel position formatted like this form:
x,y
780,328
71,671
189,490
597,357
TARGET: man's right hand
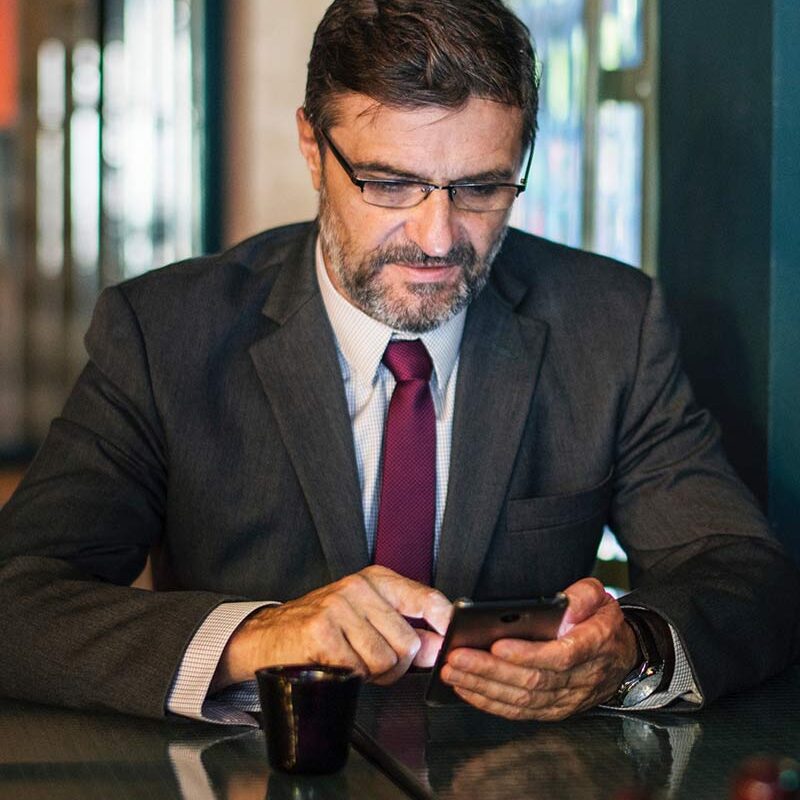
x,y
356,622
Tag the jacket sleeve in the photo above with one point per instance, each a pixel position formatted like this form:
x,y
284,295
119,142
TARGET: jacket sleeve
x,y
78,531
701,553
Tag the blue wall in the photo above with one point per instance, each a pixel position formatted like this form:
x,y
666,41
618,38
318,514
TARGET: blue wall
x,y
714,252
730,228
784,401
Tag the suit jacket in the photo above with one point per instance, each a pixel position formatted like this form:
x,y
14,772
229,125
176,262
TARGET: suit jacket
x,y
210,426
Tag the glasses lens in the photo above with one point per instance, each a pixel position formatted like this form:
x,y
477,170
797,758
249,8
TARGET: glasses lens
x,y
393,194
483,197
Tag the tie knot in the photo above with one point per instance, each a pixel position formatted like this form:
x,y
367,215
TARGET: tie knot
x,y
408,360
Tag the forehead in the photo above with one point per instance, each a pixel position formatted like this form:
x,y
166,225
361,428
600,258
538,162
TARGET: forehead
x,y
482,134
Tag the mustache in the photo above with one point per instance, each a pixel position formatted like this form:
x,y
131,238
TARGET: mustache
x,y
460,254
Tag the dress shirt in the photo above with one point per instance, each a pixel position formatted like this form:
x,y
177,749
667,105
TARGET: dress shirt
x,y
360,344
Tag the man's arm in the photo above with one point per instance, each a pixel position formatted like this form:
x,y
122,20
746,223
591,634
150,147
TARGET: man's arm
x,y
702,559
78,531
80,527
701,554
356,622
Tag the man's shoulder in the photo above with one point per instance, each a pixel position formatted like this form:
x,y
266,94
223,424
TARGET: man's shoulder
x,y
195,304
552,281
221,285
251,257
536,261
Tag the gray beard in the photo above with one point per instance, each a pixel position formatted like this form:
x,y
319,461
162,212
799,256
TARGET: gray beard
x,y
432,304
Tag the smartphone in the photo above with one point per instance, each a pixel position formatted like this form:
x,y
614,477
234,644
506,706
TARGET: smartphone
x,y
479,624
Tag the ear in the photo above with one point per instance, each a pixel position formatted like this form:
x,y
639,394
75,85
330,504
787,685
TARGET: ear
x,y
309,147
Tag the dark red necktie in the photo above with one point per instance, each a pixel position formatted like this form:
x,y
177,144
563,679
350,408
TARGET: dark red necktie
x,y
407,511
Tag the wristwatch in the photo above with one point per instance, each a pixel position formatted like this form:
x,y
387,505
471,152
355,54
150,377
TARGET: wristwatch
x,y
646,678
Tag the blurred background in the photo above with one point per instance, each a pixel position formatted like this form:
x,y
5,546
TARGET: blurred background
x,y
137,132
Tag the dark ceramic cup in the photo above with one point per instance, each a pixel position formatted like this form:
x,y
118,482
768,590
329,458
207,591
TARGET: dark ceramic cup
x,y
308,712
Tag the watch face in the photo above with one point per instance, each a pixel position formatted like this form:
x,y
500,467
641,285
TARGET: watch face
x,y
643,688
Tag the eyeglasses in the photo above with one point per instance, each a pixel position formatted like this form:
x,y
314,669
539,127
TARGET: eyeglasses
x,y
398,193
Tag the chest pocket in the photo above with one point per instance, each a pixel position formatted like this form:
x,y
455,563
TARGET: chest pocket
x,y
553,511
546,544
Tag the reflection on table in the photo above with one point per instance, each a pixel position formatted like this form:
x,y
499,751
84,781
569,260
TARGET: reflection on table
x,y
458,753
56,754
405,750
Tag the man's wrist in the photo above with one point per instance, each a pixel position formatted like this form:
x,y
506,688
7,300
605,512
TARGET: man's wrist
x,y
191,685
237,662
639,655
647,674
655,632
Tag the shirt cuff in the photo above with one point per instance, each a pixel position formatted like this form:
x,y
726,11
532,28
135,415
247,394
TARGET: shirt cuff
x,y
188,696
682,686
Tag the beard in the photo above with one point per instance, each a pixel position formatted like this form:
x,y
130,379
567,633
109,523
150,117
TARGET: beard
x,y
416,307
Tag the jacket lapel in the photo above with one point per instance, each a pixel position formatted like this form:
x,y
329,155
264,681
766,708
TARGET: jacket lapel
x,y
298,367
500,356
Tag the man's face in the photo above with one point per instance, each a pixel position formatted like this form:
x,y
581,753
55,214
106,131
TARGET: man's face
x,y
412,268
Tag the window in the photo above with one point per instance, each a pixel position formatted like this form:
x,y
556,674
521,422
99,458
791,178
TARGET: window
x,y
100,164
593,179
151,134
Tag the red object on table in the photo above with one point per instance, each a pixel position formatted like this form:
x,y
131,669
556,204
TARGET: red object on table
x,y
766,778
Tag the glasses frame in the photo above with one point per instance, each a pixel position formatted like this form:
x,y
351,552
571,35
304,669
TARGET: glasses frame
x,y
425,187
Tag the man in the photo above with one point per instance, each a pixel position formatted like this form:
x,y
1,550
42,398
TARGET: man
x,y
231,421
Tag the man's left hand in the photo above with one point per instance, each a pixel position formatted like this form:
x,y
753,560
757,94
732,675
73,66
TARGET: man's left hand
x,y
517,679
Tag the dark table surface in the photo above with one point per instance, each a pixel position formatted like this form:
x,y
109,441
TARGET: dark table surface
x,y
444,753
468,754
56,754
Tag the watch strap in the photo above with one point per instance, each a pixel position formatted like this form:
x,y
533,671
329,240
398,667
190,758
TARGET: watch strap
x,y
648,676
655,632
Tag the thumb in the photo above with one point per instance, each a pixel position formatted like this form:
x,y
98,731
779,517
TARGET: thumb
x,y
586,597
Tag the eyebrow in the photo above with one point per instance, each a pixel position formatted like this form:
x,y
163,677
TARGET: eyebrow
x,y
487,176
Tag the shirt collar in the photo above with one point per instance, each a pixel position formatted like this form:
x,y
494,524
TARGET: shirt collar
x,y
362,339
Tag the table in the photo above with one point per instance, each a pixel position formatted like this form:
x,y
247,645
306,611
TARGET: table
x,y
56,754
468,754
403,750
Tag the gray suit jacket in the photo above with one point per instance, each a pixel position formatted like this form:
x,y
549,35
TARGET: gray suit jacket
x,y
210,426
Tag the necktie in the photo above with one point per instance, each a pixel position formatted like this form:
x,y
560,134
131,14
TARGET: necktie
x,y
407,510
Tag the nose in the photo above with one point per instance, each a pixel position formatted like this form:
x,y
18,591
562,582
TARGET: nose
x,y
431,224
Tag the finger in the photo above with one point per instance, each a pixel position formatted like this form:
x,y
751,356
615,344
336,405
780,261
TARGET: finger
x,y
511,711
507,694
586,596
558,655
547,694
430,644
508,682
409,598
383,638
379,647
486,665
584,642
